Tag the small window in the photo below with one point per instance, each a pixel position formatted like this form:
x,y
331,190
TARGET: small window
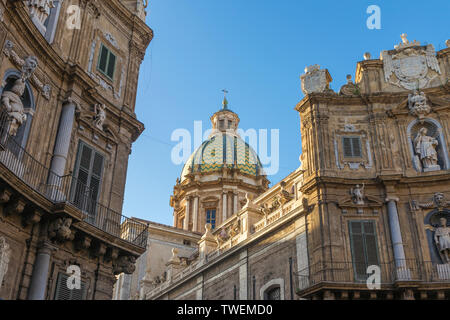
x,y
273,294
221,124
352,147
106,62
211,217
62,292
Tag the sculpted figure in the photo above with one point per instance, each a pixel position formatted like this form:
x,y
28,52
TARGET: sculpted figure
x,y
442,239
358,194
425,149
100,115
12,104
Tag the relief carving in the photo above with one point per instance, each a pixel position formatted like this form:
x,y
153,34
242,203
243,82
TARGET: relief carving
x,y
60,229
5,253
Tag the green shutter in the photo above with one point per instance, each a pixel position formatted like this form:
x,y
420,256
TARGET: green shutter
x,y
106,62
347,147
88,177
356,144
364,248
352,147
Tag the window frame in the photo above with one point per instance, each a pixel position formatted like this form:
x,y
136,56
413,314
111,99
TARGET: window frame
x,y
108,56
61,279
75,174
351,138
213,225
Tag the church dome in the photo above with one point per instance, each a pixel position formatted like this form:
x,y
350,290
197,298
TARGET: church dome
x,y
223,150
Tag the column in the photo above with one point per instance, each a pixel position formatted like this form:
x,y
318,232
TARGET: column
x,y
397,243
62,143
186,215
39,276
235,203
224,207
195,222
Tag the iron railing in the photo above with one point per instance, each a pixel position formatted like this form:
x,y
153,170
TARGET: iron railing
x,y
358,273
66,189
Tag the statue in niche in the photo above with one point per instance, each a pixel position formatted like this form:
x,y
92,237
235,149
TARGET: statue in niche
x,y
425,148
442,240
358,194
11,102
100,115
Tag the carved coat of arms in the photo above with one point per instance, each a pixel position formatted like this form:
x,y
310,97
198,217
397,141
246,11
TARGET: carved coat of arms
x,y
315,79
413,65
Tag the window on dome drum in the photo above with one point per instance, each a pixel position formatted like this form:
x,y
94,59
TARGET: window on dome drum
x,y
221,124
273,293
352,147
87,179
211,217
363,241
62,292
106,62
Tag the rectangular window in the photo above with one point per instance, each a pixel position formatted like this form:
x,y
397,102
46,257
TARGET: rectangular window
x,y
62,292
363,240
87,179
106,62
352,147
211,217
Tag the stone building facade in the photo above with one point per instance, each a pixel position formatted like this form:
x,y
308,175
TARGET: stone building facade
x,y
365,216
69,73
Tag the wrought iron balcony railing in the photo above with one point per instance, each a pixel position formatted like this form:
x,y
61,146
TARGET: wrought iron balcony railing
x,y
66,189
358,273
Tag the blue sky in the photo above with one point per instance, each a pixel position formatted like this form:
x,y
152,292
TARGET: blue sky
x,y
257,50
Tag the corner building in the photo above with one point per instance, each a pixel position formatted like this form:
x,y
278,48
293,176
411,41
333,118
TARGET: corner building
x,y
69,78
365,216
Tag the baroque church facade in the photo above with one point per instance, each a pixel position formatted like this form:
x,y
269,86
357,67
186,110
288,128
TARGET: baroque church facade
x,y
69,73
365,216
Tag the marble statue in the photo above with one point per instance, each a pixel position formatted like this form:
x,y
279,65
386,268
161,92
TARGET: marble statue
x,y
442,239
100,115
358,194
11,102
425,149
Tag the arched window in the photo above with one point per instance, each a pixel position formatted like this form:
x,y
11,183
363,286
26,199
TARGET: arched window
x,y
273,293
28,104
433,133
272,290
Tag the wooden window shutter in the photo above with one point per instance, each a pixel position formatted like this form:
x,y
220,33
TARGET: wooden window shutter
x,y
62,292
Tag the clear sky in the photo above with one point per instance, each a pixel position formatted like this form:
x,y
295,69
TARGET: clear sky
x,y
257,50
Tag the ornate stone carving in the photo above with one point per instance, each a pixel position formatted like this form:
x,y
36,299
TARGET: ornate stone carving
x,y
358,194
425,149
28,67
349,89
15,207
5,253
222,237
315,80
124,264
100,115
367,56
417,104
60,229
411,64
439,201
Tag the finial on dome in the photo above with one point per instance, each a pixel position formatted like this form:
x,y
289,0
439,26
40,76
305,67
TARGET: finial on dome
x,y
225,101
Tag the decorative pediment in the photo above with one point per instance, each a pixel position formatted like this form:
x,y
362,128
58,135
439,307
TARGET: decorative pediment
x,y
419,105
348,204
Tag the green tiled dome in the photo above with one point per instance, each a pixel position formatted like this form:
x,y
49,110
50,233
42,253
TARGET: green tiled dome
x,y
223,149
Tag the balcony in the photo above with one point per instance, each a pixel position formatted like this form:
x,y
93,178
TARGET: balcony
x,y
349,275
66,190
